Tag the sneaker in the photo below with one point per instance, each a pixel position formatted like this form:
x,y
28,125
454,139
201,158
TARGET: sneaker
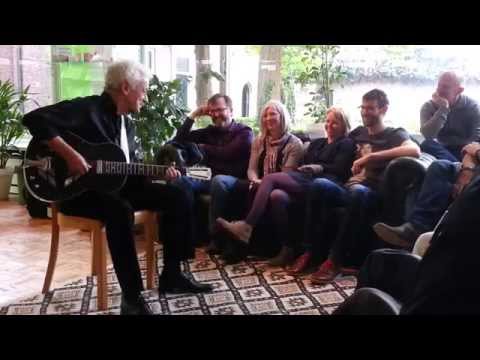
x,y
325,273
403,236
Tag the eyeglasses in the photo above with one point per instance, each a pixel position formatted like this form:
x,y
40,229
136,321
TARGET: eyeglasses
x,y
218,110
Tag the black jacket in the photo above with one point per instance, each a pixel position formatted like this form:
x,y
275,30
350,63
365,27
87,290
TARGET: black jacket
x,y
448,275
94,118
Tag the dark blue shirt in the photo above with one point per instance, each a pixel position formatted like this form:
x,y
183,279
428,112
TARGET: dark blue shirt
x,y
227,149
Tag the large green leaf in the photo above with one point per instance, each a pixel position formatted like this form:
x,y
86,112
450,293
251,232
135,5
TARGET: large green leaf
x,y
160,116
11,115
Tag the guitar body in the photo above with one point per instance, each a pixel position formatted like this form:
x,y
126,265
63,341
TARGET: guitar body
x,y
53,183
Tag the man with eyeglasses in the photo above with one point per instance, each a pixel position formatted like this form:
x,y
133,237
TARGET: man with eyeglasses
x,y
377,145
225,146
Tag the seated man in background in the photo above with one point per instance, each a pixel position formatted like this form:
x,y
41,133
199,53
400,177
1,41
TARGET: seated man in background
x,y
225,145
450,120
443,182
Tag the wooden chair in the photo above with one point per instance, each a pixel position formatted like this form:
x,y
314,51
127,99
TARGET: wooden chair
x,y
99,248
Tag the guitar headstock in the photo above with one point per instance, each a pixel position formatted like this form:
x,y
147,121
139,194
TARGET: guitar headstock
x,y
199,173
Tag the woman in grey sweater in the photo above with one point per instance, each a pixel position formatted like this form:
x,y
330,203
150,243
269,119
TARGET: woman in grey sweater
x,y
274,150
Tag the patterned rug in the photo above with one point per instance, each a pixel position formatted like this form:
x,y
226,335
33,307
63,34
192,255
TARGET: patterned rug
x,y
250,287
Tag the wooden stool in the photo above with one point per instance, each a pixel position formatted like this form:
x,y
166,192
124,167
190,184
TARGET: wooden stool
x,y
99,248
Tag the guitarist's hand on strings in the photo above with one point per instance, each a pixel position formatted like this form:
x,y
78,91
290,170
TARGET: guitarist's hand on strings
x,y
77,165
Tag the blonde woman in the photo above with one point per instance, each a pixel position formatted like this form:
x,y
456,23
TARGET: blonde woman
x,y
330,157
274,150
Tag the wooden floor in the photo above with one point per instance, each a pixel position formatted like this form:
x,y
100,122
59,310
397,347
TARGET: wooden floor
x,y
24,250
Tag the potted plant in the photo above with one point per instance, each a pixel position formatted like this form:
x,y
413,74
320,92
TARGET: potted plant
x,y
160,116
324,72
11,129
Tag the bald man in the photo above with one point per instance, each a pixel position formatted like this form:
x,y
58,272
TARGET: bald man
x,y
450,120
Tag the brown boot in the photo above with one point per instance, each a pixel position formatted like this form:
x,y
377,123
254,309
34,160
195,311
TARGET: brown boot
x,y
240,230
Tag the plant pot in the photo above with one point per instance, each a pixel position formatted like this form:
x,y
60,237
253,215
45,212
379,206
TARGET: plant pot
x,y
5,182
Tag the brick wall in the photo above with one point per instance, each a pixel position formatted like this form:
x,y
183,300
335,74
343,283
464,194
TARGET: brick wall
x,y
36,69
29,65
6,62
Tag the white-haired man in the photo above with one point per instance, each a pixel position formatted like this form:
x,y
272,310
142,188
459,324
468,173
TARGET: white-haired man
x,y
450,120
104,118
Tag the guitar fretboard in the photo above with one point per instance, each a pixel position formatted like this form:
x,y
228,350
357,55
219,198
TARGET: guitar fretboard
x,y
122,168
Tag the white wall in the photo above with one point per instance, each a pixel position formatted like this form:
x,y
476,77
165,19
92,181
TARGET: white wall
x,y
126,52
242,68
165,66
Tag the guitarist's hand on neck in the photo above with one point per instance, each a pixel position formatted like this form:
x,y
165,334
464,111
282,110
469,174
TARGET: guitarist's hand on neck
x,y
172,173
77,165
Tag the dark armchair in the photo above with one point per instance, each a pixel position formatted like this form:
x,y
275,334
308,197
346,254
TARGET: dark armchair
x,y
401,184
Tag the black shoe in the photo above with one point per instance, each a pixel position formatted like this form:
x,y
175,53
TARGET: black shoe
x,y
403,236
138,307
181,284
234,253
212,249
233,258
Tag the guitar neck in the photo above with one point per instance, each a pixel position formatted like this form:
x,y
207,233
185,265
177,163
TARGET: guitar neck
x,y
122,168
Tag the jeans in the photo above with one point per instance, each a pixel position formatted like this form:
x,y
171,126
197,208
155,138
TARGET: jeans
x,y
435,194
221,204
355,229
441,152
322,197
192,187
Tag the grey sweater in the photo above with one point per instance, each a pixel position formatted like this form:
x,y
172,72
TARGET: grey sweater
x,y
292,155
453,127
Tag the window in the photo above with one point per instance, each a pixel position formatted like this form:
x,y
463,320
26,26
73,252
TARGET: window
x,y
79,70
182,95
183,65
246,100
151,59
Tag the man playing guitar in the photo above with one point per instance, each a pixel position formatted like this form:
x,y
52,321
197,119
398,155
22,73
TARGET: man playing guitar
x,y
104,119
